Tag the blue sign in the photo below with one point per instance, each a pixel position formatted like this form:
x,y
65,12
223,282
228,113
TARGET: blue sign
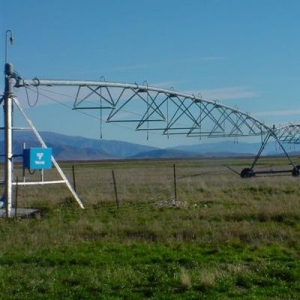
x,y
37,158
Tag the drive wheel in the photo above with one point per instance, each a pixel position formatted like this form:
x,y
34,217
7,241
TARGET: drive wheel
x,y
247,173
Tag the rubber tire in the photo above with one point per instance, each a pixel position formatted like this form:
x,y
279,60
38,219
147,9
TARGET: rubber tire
x,y
247,173
296,171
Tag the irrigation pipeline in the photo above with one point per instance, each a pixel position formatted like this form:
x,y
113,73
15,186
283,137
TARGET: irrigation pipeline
x,y
166,110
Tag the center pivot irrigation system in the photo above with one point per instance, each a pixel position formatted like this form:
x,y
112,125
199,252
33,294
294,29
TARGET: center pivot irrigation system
x,y
151,109
169,112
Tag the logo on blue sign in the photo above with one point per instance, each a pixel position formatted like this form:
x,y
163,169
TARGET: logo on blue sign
x,y
37,158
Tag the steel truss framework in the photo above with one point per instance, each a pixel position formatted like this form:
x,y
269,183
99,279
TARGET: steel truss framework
x,y
163,110
171,112
9,101
289,134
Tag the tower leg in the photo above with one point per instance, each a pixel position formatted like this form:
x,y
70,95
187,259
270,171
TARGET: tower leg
x,y
8,104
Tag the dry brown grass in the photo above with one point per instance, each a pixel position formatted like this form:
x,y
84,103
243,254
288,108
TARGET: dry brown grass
x,y
213,205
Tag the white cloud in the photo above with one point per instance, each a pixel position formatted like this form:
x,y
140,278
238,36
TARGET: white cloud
x,y
226,93
289,112
133,67
169,85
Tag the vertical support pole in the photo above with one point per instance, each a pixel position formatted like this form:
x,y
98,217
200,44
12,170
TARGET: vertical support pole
x,y
8,137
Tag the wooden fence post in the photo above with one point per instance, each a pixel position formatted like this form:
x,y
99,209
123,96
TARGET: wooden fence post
x,y
115,189
175,183
74,179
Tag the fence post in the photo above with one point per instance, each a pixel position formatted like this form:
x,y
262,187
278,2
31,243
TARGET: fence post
x,y
74,179
115,189
175,184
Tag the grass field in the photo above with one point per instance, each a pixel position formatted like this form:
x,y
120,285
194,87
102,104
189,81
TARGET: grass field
x,y
223,237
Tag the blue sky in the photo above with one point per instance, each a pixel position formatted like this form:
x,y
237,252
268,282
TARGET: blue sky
x,y
246,54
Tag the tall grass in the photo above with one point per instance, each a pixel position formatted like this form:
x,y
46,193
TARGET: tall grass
x,y
224,237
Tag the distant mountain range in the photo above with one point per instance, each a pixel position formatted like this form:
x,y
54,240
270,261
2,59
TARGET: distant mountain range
x,y
79,148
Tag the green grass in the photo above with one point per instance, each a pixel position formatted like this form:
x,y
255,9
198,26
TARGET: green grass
x,y
224,238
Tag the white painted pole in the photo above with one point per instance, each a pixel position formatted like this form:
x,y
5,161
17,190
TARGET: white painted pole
x,y
8,137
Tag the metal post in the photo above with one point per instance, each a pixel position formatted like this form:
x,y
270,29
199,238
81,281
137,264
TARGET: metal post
x,y
8,137
74,178
115,189
11,39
